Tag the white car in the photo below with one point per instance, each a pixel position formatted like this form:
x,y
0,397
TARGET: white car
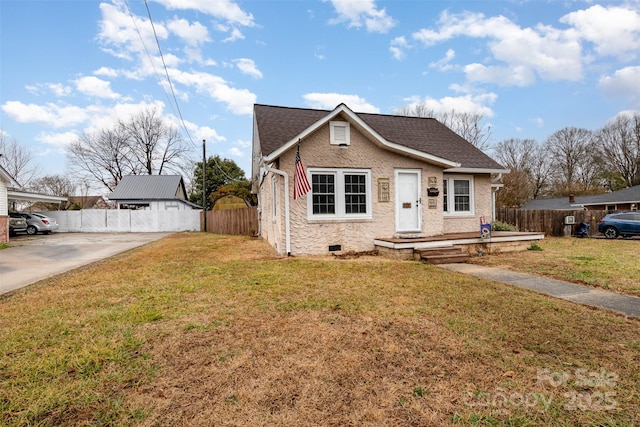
x,y
39,223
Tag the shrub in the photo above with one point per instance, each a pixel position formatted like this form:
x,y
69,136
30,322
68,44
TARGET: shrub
x,y
502,226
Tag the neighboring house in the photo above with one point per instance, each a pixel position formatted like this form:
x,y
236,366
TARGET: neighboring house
x,y
6,182
87,202
627,199
152,192
371,176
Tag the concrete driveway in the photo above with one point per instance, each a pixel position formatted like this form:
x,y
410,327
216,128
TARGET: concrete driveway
x,y
33,258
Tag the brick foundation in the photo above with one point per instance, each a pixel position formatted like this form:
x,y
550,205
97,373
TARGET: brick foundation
x,y
4,228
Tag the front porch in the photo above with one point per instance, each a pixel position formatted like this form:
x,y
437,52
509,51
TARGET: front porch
x,y
470,243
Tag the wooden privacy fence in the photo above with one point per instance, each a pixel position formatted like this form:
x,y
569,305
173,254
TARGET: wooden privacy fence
x,y
242,221
551,222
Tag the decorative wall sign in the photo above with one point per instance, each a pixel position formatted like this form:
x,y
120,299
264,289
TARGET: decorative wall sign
x,y
433,181
383,190
433,203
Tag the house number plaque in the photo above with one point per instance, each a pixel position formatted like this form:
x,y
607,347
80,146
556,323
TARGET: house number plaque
x,y
383,190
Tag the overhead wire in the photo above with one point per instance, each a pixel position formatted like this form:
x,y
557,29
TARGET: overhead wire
x,y
155,34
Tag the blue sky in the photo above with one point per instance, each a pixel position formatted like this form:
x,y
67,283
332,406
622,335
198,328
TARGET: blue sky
x,y
531,67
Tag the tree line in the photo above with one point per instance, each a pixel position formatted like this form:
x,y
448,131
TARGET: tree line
x,y
571,161
144,144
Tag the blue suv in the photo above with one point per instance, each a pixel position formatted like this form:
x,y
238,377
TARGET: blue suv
x,y
624,224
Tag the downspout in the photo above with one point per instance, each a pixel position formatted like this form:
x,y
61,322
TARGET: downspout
x,y
494,190
287,231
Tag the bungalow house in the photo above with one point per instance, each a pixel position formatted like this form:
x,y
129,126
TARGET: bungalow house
x,y
6,181
152,192
370,176
627,199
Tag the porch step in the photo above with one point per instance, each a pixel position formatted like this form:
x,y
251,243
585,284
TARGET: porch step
x,y
446,255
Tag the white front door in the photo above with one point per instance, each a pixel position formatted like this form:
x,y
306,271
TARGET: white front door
x,y
408,201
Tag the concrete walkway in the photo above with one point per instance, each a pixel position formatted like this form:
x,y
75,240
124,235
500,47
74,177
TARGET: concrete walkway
x,y
623,304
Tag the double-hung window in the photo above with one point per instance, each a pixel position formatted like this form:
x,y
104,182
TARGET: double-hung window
x,y
339,194
457,194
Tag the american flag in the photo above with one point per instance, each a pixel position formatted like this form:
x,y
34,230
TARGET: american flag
x,y
300,182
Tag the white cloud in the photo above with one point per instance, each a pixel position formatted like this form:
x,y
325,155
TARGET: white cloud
x,y
236,34
362,12
125,36
198,133
58,140
398,46
516,75
235,151
330,101
51,114
539,121
222,9
614,30
193,34
624,82
543,51
239,101
248,66
58,89
93,86
106,72
469,103
445,63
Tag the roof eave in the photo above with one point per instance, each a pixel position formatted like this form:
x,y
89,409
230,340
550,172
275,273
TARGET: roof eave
x,y
476,170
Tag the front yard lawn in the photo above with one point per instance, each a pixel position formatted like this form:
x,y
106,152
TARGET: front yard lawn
x,y
608,264
200,330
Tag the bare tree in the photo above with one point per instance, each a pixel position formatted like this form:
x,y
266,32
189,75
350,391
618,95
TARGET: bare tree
x,y
571,151
54,185
17,160
153,143
467,125
541,171
102,157
531,171
143,145
618,144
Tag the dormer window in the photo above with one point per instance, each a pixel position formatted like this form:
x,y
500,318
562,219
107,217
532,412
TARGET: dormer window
x,y
339,133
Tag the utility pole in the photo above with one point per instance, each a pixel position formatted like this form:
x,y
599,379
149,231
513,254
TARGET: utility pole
x,y
204,195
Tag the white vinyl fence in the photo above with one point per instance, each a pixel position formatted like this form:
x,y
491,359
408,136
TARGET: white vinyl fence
x,y
125,220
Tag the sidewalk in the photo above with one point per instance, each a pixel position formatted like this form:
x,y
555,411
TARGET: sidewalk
x,y
623,304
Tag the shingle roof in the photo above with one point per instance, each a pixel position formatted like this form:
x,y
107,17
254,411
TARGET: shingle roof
x,y
148,187
279,125
626,195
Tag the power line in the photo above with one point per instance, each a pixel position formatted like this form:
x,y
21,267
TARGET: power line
x,y
175,100
144,45
166,71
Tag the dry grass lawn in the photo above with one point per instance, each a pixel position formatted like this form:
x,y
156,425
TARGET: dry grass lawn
x,y
601,263
205,330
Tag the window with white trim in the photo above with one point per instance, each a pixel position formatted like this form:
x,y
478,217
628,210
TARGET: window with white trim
x,y
339,133
457,193
339,194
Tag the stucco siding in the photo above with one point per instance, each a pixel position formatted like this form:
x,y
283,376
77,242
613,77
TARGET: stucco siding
x,y
272,227
311,236
481,205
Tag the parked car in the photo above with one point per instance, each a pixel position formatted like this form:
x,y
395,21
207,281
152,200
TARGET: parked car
x,y
624,224
39,223
17,223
